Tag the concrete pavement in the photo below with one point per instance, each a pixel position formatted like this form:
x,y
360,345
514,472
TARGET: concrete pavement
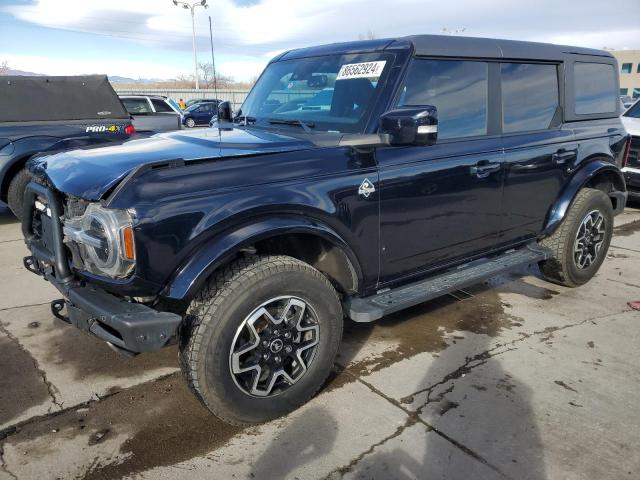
x,y
519,379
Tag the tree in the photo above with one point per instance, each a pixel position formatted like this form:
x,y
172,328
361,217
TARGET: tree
x,y
4,68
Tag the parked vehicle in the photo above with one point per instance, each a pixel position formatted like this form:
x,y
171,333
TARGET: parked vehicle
x,y
193,101
151,113
441,161
631,121
200,113
51,114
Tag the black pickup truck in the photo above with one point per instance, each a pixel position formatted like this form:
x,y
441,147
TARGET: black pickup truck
x,y
51,114
357,180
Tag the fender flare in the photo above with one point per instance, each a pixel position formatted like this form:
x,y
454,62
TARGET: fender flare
x,y
20,151
191,275
579,179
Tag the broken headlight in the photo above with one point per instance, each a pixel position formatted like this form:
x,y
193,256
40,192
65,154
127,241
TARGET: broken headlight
x,y
105,240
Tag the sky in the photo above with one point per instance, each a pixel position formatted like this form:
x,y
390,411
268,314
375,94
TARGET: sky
x,y
152,38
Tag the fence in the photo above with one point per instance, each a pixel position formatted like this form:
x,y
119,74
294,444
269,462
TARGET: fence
x,y
236,97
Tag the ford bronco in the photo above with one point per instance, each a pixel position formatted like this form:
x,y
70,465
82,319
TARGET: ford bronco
x,y
356,180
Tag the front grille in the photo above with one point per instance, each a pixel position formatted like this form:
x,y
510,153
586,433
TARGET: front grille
x,y
633,160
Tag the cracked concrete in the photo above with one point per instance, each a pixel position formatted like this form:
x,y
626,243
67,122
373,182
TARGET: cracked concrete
x,y
521,380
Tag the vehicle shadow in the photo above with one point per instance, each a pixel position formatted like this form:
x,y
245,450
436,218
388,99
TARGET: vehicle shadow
x,y
311,436
484,428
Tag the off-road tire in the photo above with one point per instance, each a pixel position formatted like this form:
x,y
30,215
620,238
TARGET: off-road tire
x,y
15,194
561,268
206,337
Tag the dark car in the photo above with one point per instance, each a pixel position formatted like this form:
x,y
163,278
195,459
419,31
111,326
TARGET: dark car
x,y
200,113
51,114
193,101
439,162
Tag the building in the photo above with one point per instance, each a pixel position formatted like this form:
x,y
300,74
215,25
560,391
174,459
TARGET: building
x,y
629,63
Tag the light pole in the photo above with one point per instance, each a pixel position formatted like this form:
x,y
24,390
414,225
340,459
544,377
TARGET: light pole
x,y
192,7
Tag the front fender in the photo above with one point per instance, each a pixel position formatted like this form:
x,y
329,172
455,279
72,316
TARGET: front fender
x,y
579,179
191,276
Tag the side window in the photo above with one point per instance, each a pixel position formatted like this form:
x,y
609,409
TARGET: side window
x,y
138,106
161,106
529,96
458,89
595,88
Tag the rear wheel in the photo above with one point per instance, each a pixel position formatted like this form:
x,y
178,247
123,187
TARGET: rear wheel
x,y
15,194
580,244
260,339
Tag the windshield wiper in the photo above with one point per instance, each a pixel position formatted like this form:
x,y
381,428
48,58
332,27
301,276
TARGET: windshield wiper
x,y
306,126
244,119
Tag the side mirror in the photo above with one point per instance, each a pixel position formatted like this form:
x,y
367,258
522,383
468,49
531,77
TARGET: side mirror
x,y
224,112
411,125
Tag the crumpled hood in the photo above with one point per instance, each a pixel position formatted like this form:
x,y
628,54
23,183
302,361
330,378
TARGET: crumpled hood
x,y
89,174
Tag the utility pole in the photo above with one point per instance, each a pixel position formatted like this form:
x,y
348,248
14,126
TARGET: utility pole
x,y
192,7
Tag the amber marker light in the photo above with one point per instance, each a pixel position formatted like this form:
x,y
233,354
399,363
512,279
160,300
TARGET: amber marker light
x,y
127,242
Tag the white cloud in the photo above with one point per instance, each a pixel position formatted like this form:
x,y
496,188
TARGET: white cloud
x,y
252,33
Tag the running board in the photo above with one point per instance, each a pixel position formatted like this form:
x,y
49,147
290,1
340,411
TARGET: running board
x,y
376,306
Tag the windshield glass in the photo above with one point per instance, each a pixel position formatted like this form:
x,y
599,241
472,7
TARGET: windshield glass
x,y
634,111
330,93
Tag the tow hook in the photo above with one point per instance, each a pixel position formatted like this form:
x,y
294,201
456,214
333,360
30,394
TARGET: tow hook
x,y
31,264
56,308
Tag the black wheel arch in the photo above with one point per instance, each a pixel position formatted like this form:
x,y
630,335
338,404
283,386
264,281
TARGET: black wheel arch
x,y
598,172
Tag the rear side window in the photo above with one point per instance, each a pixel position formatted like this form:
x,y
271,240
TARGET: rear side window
x,y
161,105
595,88
136,105
529,96
458,89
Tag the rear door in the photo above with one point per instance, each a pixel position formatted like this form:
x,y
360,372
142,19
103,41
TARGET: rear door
x,y
442,203
539,149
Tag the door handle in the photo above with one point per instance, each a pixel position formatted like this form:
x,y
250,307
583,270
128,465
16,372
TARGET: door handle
x,y
483,170
562,155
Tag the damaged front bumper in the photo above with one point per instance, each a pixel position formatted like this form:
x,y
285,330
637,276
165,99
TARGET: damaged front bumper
x,y
126,326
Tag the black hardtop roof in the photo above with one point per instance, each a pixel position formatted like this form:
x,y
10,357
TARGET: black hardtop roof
x,y
452,46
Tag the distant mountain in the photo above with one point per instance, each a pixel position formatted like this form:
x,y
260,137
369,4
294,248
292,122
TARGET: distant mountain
x,y
118,79
22,72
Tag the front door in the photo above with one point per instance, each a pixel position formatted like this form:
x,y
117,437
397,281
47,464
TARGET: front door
x,y
442,203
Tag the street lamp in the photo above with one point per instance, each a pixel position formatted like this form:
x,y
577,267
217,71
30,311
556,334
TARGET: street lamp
x,y
192,7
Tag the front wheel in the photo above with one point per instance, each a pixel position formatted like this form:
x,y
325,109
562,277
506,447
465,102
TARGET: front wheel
x,y
580,244
190,122
15,194
260,339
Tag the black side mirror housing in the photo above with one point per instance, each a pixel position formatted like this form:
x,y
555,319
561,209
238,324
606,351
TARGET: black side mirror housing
x,y
224,112
410,125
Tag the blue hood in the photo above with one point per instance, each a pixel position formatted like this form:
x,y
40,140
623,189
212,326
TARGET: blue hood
x,y
89,174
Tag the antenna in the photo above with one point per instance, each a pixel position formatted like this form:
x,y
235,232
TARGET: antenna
x,y
213,61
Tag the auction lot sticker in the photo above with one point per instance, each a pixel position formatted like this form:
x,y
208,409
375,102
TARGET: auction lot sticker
x,y
361,70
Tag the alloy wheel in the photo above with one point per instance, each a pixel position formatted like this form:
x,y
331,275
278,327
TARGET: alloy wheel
x,y
274,346
589,239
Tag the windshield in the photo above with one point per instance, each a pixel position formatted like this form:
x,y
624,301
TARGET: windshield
x,y
330,93
634,111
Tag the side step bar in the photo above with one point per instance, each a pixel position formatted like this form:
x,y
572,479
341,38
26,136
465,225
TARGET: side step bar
x,y
374,307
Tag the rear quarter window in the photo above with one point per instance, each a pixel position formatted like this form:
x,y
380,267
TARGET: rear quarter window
x,y
595,88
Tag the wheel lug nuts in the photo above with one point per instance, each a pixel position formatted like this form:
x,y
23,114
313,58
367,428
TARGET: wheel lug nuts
x,y
277,359
287,335
265,343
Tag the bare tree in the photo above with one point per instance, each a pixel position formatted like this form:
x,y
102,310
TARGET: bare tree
x,y
4,68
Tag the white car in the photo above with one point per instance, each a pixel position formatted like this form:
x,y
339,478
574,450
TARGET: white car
x,y
631,121
152,113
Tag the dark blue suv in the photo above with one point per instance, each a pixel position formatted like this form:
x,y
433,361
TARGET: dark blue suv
x,y
357,180
200,113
